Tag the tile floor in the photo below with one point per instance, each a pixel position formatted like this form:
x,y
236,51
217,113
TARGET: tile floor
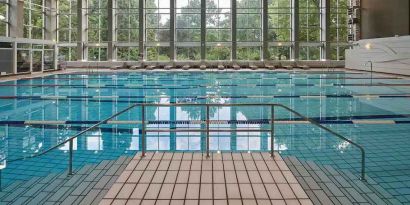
x,y
191,178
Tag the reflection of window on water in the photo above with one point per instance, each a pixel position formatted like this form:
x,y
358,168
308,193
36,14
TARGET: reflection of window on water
x,y
134,144
188,143
220,143
247,140
188,140
66,146
248,143
94,143
278,147
157,142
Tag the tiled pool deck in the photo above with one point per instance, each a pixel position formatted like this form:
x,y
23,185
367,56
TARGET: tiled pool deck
x,y
192,178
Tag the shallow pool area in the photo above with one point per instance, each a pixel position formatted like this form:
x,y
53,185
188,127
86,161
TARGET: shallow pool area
x,y
370,109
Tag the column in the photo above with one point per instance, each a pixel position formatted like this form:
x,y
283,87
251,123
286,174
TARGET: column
x,y
295,29
203,29
141,27
265,51
16,18
111,4
234,44
82,53
172,31
324,29
51,20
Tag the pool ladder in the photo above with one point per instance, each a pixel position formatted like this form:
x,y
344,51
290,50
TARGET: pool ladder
x,y
207,130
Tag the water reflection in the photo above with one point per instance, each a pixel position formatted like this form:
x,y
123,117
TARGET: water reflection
x,y
82,100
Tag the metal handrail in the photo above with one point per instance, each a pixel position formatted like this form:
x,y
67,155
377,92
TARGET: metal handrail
x,y
371,71
207,130
77,135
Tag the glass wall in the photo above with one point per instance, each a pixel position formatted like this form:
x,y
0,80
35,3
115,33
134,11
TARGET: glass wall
x,y
157,30
4,17
23,58
338,29
218,30
34,11
279,29
309,29
249,29
127,25
217,37
188,29
67,29
97,32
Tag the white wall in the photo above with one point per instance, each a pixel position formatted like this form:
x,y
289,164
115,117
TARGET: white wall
x,y
390,55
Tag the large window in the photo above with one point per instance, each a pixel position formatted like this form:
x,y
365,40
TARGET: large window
x,y
34,11
157,29
249,29
279,29
188,29
127,25
154,34
67,29
338,28
309,35
218,30
97,30
4,17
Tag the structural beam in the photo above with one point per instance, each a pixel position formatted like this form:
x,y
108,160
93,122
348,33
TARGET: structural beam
x,y
141,28
16,18
172,31
82,53
50,20
111,5
203,30
324,29
233,27
295,30
265,20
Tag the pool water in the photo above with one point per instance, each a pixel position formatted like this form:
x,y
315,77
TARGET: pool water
x,y
338,100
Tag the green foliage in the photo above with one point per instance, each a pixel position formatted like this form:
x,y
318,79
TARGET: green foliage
x,y
188,25
218,53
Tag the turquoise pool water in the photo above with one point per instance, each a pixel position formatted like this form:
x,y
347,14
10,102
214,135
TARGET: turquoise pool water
x,y
339,100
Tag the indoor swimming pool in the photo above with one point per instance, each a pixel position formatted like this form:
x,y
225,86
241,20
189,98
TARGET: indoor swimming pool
x,y
370,109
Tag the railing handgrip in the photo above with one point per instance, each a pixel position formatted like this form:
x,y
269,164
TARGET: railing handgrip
x,y
207,131
363,160
143,132
70,158
272,132
143,138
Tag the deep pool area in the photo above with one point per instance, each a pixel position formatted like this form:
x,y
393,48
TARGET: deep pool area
x,y
370,109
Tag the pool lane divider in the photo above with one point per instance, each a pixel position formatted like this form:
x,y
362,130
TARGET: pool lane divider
x,y
199,122
155,86
50,97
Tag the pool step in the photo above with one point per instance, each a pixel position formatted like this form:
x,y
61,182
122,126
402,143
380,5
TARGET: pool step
x,y
326,185
87,185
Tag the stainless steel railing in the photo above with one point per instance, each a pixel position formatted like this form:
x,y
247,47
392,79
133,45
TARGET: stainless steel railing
x,y
371,71
207,130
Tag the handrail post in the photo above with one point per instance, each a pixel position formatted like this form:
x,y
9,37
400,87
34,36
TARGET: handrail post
x,y
70,160
272,132
143,130
207,131
363,177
